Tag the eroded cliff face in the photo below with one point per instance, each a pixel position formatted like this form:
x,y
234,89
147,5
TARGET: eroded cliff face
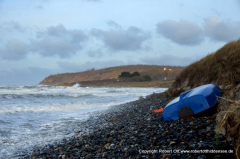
x,y
223,69
155,72
228,117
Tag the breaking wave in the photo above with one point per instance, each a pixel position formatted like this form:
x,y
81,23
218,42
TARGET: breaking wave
x,y
33,115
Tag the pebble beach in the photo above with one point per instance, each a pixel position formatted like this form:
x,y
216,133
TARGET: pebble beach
x,y
133,130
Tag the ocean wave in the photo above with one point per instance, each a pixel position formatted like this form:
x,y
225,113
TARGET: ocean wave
x,y
41,114
26,96
58,107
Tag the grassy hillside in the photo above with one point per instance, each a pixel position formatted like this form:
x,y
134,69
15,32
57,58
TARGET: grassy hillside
x,y
157,73
221,68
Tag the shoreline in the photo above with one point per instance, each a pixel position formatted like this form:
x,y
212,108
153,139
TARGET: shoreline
x,y
116,83
132,130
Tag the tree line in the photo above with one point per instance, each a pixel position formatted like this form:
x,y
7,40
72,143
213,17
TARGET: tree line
x,y
135,76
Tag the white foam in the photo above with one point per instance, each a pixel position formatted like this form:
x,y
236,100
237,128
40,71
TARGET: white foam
x,y
57,107
35,115
76,85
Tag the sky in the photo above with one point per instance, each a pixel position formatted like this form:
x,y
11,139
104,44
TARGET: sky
x,y
43,37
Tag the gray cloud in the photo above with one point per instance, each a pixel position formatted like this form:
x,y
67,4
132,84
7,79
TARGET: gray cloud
x,y
113,24
119,39
218,30
167,59
14,50
57,31
58,41
11,26
17,26
182,32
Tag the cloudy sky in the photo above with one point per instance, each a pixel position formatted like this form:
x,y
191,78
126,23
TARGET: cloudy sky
x,y
44,37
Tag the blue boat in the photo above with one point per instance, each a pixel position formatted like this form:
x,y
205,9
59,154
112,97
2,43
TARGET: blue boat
x,y
192,102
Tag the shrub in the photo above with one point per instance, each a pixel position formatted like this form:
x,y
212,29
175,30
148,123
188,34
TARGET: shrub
x,y
135,74
124,75
135,77
147,78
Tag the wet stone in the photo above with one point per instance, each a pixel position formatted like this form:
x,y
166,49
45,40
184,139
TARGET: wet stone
x,y
129,130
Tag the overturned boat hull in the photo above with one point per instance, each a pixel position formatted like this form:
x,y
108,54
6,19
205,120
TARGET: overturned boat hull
x,y
192,102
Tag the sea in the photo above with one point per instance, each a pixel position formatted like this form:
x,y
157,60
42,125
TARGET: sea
x,y
33,116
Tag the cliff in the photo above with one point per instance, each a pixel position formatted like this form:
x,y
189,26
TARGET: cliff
x,y
157,73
